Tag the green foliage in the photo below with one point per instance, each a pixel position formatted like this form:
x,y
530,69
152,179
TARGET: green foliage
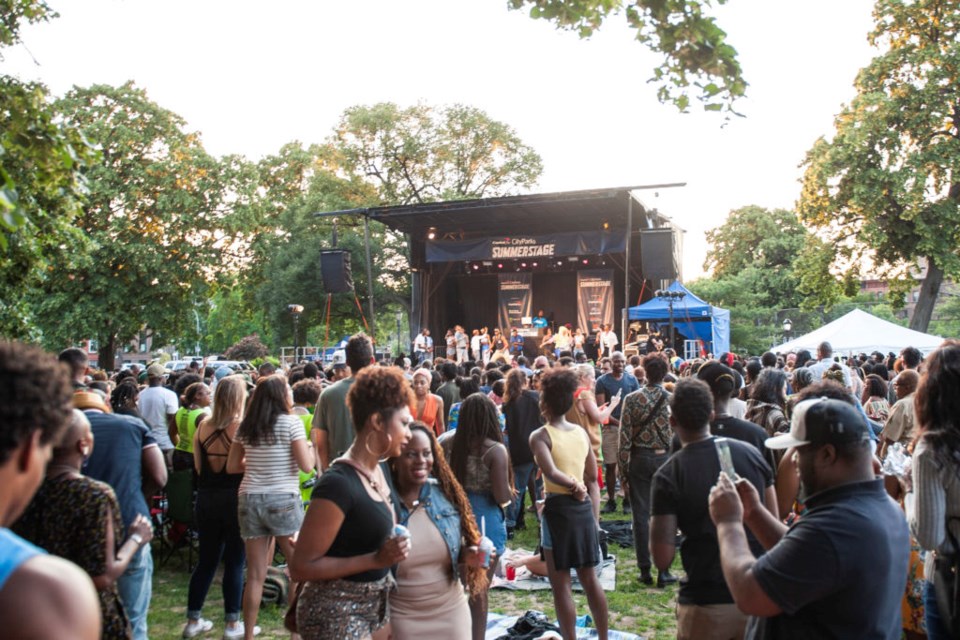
x,y
696,56
424,154
886,187
229,319
159,218
377,155
41,193
758,246
247,348
13,13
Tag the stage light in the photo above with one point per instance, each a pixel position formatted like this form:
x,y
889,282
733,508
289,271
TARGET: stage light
x,y
476,267
523,264
570,259
560,262
605,225
534,264
585,261
499,265
431,233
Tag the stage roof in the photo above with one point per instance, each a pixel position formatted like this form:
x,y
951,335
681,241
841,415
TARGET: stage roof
x,y
546,212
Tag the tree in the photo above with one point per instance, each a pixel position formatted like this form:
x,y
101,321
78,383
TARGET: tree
x,y
424,154
248,348
762,245
695,51
160,216
377,155
884,192
41,185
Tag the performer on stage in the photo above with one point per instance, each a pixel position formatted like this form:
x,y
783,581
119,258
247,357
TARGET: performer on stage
x,y
540,321
548,342
423,346
578,342
563,340
516,343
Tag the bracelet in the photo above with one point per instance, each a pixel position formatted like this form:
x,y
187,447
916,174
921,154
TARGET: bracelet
x,y
136,537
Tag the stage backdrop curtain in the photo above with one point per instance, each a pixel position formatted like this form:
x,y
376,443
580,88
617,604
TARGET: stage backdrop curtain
x,y
516,299
594,298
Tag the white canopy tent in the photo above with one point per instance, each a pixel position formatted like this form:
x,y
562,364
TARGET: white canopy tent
x,y
861,332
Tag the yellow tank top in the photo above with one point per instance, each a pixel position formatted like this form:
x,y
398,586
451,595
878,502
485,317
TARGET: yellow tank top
x,y
569,450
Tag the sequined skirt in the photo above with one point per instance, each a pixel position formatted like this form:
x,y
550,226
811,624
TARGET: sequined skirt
x,y
335,609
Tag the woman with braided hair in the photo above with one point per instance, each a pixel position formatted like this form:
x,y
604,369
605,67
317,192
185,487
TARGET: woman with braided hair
x,y
429,601
124,398
481,464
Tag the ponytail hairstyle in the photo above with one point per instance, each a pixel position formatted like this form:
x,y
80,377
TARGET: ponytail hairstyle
x,y
123,394
190,393
475,577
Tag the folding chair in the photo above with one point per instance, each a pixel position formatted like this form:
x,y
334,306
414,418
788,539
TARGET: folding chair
x,y
180,503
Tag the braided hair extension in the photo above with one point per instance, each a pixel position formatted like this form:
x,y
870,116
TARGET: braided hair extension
x,y
476,577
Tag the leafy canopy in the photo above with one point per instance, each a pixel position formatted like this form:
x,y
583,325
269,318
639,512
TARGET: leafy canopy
x,y
885,190
697,59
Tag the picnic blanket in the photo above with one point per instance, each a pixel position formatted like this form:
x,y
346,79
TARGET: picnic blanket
x,y
498,628
526,581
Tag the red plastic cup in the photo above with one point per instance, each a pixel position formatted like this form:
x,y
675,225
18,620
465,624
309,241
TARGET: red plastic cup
x,y
511,573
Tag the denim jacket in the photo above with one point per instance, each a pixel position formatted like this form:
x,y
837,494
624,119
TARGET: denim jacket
x,y
442,513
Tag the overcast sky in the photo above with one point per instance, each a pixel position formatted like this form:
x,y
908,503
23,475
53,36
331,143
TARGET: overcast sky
x,y
253,75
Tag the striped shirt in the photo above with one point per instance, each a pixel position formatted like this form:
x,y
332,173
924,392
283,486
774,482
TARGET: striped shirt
x,y
936,498
272,468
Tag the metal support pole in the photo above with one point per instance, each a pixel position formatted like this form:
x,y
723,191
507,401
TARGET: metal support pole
x,y
626,274
366,246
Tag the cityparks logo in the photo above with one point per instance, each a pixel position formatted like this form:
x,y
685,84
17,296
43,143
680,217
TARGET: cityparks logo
x,y
522,247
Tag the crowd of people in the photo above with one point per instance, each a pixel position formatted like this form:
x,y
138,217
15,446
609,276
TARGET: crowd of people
x,y
809,495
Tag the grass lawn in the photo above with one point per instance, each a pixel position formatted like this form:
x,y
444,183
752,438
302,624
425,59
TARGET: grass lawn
x,y
634,607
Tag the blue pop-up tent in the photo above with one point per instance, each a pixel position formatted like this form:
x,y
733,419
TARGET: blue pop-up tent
x,y
692,317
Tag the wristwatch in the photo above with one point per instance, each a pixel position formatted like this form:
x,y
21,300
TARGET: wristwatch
x,y
136,537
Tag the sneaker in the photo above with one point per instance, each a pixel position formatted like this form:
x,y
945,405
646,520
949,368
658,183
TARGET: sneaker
x,y
665,578
626,507
645,578
195,628
237,632
610,506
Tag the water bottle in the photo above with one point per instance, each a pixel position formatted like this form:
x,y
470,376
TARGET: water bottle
x,y
400,531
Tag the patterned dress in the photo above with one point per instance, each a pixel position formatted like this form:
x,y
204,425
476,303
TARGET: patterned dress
x,y
68,518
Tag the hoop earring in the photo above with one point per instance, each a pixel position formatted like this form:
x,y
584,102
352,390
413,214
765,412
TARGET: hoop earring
x,y
379,456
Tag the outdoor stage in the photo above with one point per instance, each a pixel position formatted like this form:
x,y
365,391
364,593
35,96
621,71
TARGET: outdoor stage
x,y
493,261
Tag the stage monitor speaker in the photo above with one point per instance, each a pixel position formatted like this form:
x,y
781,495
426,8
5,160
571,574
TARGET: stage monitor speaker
x,y
658,254
335,269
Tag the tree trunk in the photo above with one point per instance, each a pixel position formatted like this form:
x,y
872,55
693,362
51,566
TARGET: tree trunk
x,y
929,291
108,351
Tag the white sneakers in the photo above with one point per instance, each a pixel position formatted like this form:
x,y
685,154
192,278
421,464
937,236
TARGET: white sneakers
x,y
195,628
237,632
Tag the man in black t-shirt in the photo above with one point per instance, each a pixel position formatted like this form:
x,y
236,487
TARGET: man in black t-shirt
x,y
680,493
837,572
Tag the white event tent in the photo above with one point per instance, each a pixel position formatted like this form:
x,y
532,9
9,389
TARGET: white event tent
x,y
861,332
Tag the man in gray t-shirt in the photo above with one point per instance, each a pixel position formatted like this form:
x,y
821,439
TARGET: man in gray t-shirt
x,y
332,430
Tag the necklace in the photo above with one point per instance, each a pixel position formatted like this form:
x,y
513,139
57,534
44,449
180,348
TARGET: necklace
x,y
373,482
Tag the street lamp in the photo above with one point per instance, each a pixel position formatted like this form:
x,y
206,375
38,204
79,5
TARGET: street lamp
x,y
671,297
295,311
399,319
787,327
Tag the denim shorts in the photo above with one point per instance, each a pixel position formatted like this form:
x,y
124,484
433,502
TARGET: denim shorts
x,y
546,540
269,514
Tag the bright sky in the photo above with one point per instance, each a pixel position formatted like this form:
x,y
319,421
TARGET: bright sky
x,y
254,75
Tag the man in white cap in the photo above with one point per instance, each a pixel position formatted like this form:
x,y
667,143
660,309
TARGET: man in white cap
x,y
840,570
158,407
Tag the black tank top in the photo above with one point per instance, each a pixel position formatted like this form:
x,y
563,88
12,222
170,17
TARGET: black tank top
x,y
210,480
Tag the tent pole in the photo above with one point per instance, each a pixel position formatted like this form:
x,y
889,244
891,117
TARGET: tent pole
x,y
626,274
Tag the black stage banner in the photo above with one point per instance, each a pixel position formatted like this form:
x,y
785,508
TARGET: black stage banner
x,y
595,296
526,247
516,301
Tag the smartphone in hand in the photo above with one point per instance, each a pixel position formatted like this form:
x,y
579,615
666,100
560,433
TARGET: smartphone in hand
x,y
726,458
